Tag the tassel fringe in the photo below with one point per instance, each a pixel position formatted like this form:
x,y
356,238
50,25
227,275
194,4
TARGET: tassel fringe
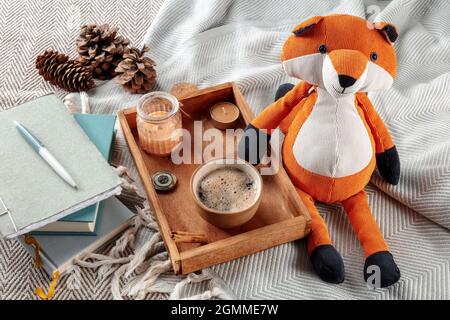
x,y
216,287
37,250
51,289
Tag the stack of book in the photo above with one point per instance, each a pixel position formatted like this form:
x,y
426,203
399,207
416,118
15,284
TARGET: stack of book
x,y
65,221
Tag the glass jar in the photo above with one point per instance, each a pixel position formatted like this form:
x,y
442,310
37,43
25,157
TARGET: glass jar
x,y
159,123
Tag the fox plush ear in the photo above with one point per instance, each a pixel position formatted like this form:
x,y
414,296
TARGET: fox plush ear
x,y
388,30
307,25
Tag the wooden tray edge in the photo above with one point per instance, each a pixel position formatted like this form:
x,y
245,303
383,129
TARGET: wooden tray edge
x,y
153,199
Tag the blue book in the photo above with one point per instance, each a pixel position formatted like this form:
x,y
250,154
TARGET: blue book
x,y
100,130
59,254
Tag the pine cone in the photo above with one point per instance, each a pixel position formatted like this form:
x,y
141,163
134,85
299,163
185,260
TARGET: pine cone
x,y
67,74
136,73
101,48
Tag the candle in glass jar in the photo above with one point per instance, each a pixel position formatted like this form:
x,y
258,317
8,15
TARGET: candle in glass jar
x,y
157,122
224,115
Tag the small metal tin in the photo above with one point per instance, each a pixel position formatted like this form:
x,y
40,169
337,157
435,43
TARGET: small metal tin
x,y
164,180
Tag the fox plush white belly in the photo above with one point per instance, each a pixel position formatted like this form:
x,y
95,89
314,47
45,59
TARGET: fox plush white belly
x,y
334,136
345,147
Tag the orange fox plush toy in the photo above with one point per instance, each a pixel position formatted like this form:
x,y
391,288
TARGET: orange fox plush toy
x,y
334,138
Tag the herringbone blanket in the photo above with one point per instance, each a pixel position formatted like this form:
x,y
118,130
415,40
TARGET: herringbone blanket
x,y
209,42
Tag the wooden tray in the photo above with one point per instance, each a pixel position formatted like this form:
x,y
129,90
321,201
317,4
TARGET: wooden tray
x,y
281,217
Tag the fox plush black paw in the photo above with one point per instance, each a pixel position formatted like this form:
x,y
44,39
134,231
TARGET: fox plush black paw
x,y
253,145
283,89
328,264
389,273
388,164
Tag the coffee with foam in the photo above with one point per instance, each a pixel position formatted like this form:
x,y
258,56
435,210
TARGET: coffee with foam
x,y
227,189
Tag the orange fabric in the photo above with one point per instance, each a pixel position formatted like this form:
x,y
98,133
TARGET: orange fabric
x,y
319,232
286,122
271,117
308,23
380,134
360,35
324,188
364,225
341,62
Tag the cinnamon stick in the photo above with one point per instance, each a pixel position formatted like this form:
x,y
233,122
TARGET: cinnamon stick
x,y
189,237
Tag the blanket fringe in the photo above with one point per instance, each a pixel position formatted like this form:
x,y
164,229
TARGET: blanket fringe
x,y
85,106
127,181
144,283
216,287
148,249
115,283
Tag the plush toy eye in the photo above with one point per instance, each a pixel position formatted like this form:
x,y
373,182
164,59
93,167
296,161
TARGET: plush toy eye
x,y
323,48
373,56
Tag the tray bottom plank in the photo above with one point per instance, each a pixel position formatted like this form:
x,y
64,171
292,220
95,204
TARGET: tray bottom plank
x,y
243,244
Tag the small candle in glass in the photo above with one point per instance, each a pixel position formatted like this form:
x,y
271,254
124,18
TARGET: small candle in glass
x,y
158,121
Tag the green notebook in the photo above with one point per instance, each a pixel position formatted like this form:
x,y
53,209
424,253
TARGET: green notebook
x,y
100,130
31,193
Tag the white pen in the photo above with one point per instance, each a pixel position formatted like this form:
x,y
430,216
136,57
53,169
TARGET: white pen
x,y
45,154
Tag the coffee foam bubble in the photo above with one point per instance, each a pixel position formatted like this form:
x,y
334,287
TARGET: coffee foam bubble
x,y
227,189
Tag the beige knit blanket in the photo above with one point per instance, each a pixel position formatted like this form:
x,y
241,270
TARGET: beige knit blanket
x,y
240,41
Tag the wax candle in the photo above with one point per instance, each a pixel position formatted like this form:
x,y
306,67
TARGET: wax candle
x,y
224,115
157,121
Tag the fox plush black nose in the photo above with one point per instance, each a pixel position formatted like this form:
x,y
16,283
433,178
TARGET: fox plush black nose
x,y
346,81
